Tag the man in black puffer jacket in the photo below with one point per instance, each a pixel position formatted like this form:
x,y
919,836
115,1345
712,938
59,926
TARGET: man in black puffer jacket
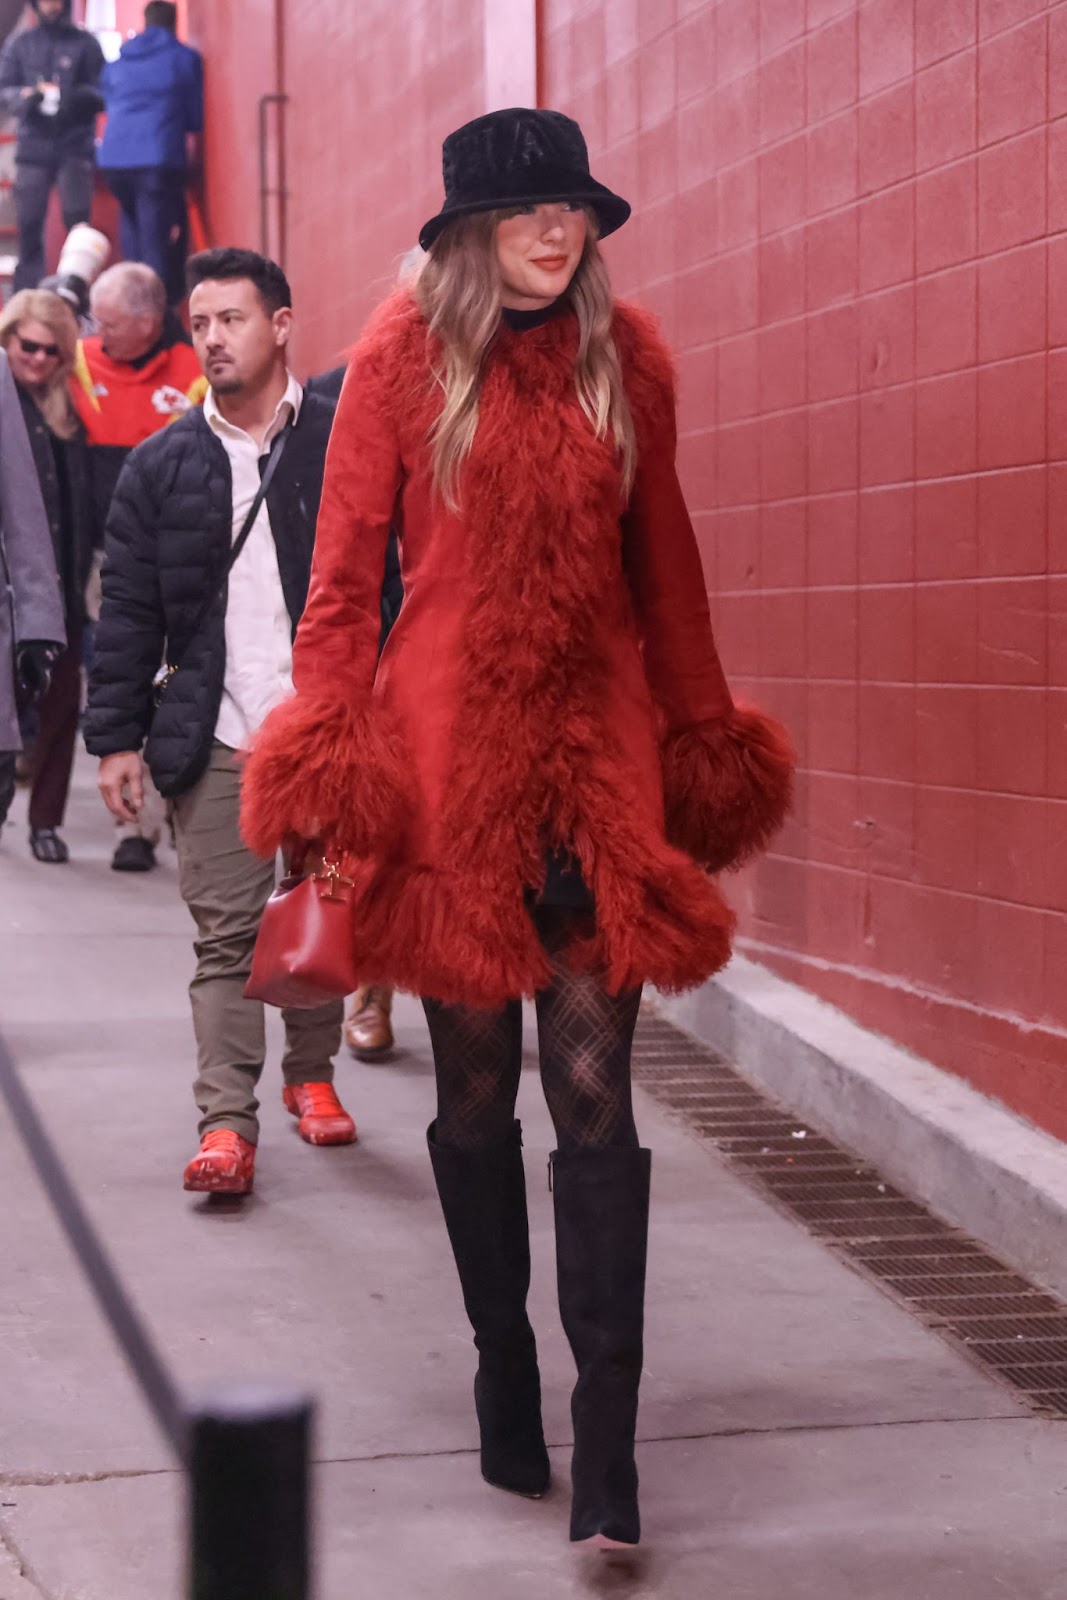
x,y
48,79
182,499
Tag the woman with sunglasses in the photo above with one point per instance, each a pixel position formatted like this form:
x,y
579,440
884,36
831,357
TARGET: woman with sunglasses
x,y
40,336
534,782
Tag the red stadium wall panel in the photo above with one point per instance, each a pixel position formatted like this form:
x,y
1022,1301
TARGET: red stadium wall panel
x,y
851,216
240,45
372,90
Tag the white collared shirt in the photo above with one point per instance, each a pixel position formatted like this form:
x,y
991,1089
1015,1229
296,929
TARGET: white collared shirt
x,y
259,634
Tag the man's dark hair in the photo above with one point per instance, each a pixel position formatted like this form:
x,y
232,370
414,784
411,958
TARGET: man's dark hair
x,y
227,263
161,14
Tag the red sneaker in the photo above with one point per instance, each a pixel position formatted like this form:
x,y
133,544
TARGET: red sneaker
x,y
323,1119
224,1164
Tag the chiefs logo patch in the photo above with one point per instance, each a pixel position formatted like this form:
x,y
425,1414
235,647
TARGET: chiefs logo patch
x,y
170,402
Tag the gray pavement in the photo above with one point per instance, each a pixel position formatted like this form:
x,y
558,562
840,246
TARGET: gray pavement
x,y
801,1435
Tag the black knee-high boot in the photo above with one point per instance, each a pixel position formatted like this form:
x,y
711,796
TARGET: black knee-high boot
x,y
483,1197
601,1203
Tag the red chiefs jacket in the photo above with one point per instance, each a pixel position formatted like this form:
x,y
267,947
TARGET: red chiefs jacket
x,y
121,404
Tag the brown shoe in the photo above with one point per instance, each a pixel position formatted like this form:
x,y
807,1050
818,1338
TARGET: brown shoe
x,y
368,1029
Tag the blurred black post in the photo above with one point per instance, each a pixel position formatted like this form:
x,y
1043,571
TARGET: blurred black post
x,y
249,1464
247,1448
138,1346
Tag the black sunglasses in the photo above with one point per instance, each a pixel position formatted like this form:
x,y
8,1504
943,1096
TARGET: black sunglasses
x,y
32,347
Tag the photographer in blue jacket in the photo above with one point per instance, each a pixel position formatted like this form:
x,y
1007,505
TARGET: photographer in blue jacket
x,y
155,109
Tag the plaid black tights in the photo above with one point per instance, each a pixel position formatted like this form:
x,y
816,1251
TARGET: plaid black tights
x,y
584,1036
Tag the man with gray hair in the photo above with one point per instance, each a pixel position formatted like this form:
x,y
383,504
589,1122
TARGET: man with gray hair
x,y
134,376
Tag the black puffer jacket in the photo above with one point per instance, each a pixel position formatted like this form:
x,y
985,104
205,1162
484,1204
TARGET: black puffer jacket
x,y
53,52
63,470
169,533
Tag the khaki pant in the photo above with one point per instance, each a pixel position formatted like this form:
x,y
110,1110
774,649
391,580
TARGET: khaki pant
x,y
226,887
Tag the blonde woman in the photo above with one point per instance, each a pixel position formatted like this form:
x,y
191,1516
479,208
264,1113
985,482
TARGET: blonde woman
x,y
40,335
534,784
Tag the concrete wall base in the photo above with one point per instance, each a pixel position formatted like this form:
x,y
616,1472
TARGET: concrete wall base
x,y
969,1159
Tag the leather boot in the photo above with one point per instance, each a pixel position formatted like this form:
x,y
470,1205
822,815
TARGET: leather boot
x,y
483,1197
601,1205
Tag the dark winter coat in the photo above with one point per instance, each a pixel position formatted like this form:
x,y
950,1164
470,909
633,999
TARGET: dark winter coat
x,y
68,507
169,533
53,53
31,605
154,94
551,684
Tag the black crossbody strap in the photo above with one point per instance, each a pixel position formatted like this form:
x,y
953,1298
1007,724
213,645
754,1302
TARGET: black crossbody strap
x,y
247,525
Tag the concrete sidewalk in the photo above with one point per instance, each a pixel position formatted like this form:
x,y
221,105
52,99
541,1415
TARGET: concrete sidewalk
x,y
802,1436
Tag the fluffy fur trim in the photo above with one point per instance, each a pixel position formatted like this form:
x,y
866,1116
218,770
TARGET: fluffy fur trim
x,y
727,787
392,361
659,920
436,933
648,373
446,936
323,766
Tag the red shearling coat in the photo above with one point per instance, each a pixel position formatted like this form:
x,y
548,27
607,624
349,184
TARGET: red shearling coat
x,y
552,681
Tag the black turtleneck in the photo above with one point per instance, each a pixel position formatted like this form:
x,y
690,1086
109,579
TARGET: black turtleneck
x,y
523,321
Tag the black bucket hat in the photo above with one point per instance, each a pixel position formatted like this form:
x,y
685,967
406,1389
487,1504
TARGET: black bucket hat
x,y
519,157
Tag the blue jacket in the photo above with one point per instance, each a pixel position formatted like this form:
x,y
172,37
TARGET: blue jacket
x,y
154,97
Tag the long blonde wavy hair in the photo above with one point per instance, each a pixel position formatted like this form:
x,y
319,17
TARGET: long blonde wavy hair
x,y
458,290
41,305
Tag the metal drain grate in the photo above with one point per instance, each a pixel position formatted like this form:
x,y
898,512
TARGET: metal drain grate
x,y
953,1253
1015,1331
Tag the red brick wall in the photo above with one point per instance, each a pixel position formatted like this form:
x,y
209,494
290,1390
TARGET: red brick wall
x,y
851,216
238,42
373,89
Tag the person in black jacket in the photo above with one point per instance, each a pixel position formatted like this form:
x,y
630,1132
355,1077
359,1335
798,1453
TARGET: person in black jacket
x,y
182,499
40,336
49,78
133,376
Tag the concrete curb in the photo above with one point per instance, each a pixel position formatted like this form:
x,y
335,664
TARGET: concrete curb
x,y
973,1162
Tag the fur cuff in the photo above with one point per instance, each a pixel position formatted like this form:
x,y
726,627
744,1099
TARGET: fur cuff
x,y
322,767
727,787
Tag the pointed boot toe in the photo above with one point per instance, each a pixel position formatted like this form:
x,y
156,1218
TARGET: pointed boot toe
x,y
513,1453
610,1522
483,1197
601,1205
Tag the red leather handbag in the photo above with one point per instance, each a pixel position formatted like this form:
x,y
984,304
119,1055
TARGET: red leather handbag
x,y
304,956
